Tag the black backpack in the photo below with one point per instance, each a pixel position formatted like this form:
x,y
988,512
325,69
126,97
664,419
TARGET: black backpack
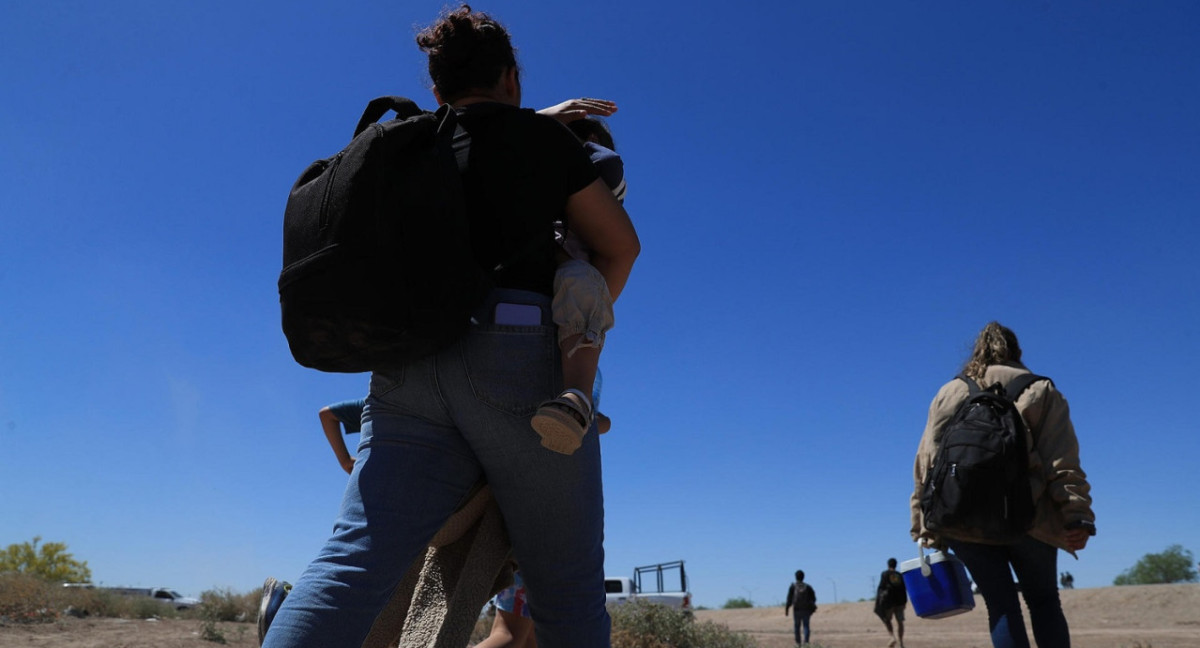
x,y
805,599
979,481
377,261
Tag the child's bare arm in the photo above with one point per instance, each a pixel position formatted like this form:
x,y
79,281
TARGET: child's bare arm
x,y
333,433
604,227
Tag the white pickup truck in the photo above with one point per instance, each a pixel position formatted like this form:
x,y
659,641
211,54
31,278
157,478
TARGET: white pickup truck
x,y
649,583
163,594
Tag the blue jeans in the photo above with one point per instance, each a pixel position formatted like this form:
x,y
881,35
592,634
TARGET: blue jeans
x,y
800,619
430,431
1036,566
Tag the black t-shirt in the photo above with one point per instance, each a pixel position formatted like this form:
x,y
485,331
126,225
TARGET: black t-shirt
x,y
892,592
523,166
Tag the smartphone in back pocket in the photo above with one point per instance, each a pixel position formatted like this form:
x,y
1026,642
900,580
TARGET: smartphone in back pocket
x,y
518,314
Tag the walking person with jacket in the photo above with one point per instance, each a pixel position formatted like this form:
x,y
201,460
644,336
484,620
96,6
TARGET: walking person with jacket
x,y
802,599
1063,517
435,427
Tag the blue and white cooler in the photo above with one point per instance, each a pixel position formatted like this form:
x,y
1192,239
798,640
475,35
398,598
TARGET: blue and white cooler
x,y
937,585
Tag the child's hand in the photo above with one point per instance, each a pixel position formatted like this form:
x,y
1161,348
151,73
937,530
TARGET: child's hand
x,y
572,109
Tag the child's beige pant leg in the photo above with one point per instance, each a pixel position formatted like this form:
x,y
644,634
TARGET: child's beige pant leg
x,y
582,305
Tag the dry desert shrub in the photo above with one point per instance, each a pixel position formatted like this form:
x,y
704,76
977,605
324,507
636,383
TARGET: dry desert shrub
x,y
26,599
101,603
622,638
227,605
639,624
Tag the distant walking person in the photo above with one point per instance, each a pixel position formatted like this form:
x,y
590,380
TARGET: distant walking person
x,y
1063,516
335,417
803,601
1067,580
890,600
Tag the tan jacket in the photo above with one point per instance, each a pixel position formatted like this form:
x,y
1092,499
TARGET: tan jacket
x,y
1060,486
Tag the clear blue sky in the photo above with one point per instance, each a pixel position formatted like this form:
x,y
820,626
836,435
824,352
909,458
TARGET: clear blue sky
x,y
833,198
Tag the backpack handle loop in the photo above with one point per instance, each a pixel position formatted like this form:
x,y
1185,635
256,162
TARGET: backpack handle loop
x,y
379,106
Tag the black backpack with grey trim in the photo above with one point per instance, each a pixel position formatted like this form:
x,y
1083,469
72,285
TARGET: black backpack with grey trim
x,y
377,262
979,481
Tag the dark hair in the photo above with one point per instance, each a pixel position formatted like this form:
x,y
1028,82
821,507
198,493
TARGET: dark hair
x,y
468,50
799,574
891,563
591,128
995,344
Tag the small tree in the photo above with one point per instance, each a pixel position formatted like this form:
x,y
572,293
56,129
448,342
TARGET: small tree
x,y
738,603
50,562
1175,565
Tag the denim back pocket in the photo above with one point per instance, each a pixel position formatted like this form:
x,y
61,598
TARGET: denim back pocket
x,y
512,368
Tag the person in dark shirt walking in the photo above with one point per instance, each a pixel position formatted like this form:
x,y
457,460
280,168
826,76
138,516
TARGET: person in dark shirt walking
x,y
890,600
803,601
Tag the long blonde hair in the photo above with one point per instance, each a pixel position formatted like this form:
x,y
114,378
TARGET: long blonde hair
x,y
995,344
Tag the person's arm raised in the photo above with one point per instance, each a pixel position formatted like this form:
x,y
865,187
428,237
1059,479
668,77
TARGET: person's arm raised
x,y
604,227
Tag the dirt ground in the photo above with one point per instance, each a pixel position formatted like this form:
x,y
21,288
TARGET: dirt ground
x,y
1151,616
1154,616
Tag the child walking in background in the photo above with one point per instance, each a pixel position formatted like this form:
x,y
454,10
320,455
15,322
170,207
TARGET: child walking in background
x,y
582,307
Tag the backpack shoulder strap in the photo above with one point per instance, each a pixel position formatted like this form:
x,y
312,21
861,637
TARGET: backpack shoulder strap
x,y
452,132
972,386
1014,391
1021,383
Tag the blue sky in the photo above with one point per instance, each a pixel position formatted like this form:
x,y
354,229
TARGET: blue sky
x,y
833,198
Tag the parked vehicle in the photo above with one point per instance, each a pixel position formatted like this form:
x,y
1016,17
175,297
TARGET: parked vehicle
x,y
653,583
166,595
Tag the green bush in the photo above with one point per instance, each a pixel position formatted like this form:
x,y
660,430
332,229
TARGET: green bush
x,y
1174,565
738,603
49,561
638,624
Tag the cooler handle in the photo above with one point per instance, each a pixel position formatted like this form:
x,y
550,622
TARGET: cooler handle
x,y
926,570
